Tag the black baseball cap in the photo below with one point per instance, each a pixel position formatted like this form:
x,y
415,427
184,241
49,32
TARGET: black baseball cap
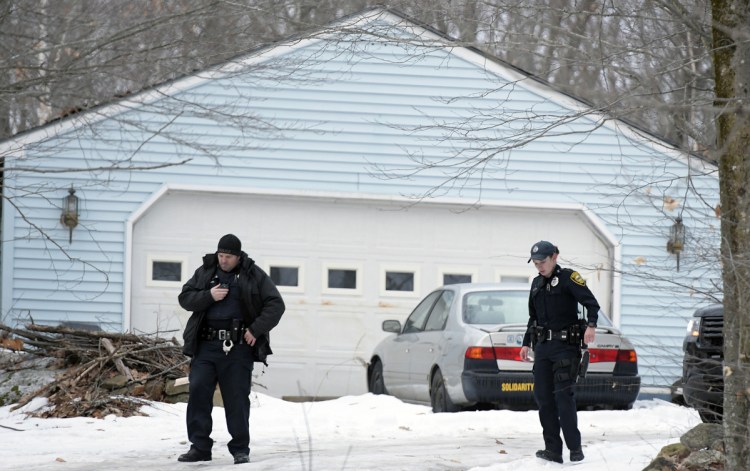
x,y
542,250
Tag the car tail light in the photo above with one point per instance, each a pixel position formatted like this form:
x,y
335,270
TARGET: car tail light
x,y
508,353
627,356
627,363
496,353
480,353
601,355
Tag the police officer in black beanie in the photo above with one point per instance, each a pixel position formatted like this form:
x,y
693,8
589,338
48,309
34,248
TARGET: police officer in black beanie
x,y
234,306
556,331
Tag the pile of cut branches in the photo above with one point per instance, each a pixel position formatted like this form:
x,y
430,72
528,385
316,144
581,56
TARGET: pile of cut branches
x,y
100,373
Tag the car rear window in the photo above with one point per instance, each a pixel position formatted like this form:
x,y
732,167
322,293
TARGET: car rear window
x,y
496,307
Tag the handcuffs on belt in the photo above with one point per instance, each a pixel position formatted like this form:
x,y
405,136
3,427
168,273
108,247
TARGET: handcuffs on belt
x,y
226,337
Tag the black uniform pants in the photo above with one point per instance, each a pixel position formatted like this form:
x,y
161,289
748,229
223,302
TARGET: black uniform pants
x,y
234,373
555,367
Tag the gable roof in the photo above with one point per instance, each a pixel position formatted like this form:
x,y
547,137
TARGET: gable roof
x,y
362,22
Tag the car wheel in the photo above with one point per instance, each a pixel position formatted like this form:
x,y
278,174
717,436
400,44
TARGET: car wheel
x,y
375,382
439,398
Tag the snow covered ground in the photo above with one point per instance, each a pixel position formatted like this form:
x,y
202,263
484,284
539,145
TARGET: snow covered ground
x,y
351,433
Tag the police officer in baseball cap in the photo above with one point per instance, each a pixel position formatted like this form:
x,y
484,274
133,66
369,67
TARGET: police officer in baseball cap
x,y
555,333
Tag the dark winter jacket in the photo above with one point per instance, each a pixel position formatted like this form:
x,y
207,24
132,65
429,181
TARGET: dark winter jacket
x,y
261,302
553,301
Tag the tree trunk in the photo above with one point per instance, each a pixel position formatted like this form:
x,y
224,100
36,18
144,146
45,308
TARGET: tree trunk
x,y
732,74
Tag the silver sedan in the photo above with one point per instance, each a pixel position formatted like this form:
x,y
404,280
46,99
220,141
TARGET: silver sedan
x,y
459,348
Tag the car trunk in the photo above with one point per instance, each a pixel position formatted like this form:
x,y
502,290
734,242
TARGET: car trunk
x,y
603,350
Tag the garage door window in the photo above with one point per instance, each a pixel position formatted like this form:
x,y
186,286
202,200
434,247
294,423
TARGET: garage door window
x,y
341,279
165,271
453,278
450,275
285,276
401,280
288,276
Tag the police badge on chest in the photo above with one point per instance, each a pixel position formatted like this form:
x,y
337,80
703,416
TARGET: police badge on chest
x,y
553,282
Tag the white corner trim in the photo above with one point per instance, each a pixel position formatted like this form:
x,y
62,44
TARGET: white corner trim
x,y
127,266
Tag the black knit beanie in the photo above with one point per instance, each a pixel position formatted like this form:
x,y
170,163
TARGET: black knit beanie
x,y
230,244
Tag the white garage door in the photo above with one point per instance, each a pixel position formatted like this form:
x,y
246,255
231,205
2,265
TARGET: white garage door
x,y
384,255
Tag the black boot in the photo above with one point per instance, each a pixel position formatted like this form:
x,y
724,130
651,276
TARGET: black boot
x,y
549,456
576,455
241,458
194,455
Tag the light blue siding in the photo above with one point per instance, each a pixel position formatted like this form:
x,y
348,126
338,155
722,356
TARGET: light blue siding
x,y
310,121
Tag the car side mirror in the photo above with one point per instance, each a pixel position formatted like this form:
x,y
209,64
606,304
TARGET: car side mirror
x,y
392,326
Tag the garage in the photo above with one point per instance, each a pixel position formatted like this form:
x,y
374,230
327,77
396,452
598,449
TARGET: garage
x,y
343,265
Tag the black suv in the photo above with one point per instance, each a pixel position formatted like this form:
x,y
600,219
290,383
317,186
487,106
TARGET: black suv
x,y
702,378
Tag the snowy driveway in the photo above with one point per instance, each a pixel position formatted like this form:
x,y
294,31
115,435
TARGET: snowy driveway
x,y
352,433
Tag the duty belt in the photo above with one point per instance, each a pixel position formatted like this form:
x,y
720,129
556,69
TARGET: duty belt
x,y
571,335
209,333
214,334
548,334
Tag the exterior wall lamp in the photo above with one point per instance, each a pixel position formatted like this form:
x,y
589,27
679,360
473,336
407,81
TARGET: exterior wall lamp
x,y
676,241
69,217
